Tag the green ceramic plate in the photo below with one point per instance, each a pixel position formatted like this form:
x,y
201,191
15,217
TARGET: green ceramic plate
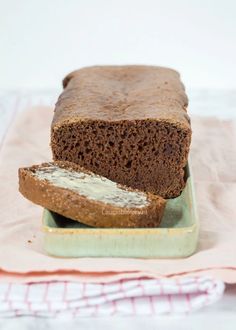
x,y
175,238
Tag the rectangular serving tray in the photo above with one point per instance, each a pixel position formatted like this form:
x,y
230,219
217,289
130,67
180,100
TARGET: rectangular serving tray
x,y
176,237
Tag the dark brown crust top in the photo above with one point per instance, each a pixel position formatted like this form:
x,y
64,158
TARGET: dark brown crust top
x,y
117,93
70,204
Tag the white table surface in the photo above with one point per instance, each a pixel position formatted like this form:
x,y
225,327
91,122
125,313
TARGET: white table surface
x,y
221,315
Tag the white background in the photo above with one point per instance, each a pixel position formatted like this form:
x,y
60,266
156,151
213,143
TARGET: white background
x,y
42,40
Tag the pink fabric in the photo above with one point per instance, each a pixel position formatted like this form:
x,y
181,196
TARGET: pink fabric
x,y
21,255
129,297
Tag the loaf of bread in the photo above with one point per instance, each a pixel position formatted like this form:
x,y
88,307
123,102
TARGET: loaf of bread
x,y
78,194
127,123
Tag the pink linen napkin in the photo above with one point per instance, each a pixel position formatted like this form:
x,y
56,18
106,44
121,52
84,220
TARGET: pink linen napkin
x,y
22,258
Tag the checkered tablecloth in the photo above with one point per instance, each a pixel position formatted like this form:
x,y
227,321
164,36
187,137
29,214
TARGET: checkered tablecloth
x,y
130,297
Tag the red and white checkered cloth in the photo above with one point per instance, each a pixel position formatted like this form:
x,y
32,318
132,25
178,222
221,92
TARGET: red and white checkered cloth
x,y
129,297
71,299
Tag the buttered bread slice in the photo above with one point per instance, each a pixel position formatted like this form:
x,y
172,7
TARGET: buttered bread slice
x,y
76,193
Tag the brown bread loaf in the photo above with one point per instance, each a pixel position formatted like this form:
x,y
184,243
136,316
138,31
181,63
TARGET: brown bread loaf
x,y
127,123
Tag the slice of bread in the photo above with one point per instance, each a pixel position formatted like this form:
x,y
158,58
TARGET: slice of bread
x,y
79,194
